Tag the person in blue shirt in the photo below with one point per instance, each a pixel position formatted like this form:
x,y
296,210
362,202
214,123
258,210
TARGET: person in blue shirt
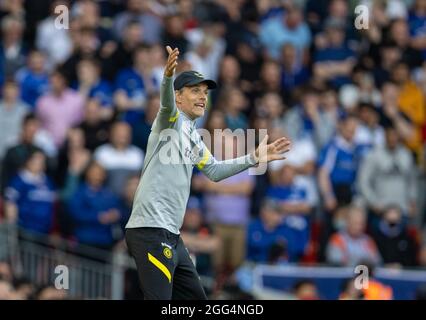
x,y
338,165
265,232
30,196
95,211
334,61
90,84
33,79
296,201
133,85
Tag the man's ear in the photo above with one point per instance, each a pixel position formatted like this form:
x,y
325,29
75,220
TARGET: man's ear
x,y
177,96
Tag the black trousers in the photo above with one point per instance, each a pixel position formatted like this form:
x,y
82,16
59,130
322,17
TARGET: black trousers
x,y
164,267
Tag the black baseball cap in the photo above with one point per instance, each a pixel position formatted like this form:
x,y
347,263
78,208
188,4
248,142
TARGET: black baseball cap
x,y
192,78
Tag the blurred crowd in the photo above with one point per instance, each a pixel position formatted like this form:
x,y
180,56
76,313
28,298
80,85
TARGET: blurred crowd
x,y
77,104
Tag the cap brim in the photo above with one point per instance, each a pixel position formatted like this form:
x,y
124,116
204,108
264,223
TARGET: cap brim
x,y
210,83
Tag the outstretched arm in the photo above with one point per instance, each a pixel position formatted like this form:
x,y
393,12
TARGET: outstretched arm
x,y
168,111
218,170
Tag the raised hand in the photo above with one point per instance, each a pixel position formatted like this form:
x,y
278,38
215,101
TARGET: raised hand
x,y
273,151
171,63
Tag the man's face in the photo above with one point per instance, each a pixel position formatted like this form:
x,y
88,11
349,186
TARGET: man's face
x,y
193,100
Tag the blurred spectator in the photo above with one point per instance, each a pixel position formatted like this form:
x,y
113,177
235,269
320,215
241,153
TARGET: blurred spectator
x,y
293,73
73,157
86,46
30,196
95,128
288,28
55,42
350,292
199,238
369,133
119,158
50,293
133,85
338,165
306,290
391,113
334,60
94,210
140,11
142,128
174,33
411,102
206,52
59,109
33,79
416,21
375,290
16,156
6,290
12,113
395,244
120,58
352,245
91,85
307,121
228,208
296,201
265,232
233,103
12,48
387,177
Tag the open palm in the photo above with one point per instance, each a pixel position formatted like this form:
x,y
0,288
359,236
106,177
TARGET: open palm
x,y
273,151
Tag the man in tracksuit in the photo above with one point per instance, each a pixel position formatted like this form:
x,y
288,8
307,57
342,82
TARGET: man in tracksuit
x,y
152,233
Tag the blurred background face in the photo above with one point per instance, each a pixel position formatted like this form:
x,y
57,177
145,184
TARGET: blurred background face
x,y
287,175
175,26
121,135
29,130
307,291
348,128
95,175
368,116
293,18
36,62
272,104
392,138
76,138
390,55
401,73
271,217
92,111
87,71
335,36
57,82
329,99
310,100
142,57
236,99
355,222
36,164
12,29
392,216
133,34
288,55
400,33
10,92
390,93
230,69
270,74
339,8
